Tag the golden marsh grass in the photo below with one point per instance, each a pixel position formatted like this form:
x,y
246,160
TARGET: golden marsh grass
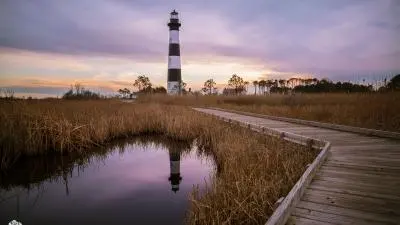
x,y
253,170
370,110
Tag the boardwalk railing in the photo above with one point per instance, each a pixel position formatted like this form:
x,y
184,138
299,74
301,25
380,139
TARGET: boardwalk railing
x,y
282,213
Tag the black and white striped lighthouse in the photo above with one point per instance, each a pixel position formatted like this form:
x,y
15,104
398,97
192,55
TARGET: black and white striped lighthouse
x,y
174,56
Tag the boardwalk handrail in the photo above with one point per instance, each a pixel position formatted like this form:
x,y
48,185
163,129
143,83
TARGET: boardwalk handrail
x,y
282,213
358,130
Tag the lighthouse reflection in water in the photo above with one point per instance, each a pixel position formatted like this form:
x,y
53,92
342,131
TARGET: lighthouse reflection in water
x,y
127,183
175,166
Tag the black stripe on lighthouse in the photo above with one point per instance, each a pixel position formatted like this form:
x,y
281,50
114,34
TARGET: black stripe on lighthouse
x,y
174,49
174,60
174,75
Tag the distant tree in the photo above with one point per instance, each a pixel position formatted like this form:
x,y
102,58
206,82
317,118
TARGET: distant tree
x,y
228,91
160,90
237,83
268,85
127,92
78,88
308,81
282,83
124,92
7,93
121,92
394,83
69,94
246,85
209,86
292,82
77,91
255,84
142,83
262,84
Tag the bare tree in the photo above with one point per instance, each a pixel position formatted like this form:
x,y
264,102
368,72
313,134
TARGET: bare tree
x,y
78,88
209,86
8,93
142,83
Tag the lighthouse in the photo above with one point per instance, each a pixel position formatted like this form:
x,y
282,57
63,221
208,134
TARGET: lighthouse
x,y
174,166
174,56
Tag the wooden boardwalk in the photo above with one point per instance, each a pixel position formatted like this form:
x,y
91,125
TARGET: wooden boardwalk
x,y
359,183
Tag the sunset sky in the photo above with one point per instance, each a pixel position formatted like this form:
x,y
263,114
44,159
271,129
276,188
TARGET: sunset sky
x,y
46,45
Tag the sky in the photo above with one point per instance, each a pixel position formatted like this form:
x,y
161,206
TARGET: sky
x,y
47,45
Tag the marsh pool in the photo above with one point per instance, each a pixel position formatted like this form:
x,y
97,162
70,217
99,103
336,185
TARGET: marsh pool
x,y
145,181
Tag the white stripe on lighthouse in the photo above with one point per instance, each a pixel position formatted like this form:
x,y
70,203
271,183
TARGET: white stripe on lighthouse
x,y
174,36
174,62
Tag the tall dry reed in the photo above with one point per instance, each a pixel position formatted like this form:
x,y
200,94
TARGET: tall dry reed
x,y
369,110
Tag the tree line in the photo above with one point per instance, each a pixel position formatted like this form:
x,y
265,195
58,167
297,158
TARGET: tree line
x,y
238,86
78,91
143,85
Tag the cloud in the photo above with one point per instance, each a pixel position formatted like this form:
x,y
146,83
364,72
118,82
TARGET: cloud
x,y
107,40
19,58
70,28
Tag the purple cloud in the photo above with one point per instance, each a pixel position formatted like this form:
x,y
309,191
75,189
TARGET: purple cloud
x,y
328,37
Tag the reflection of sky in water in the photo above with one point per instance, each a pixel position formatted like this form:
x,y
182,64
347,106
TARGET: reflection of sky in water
x,y
130,188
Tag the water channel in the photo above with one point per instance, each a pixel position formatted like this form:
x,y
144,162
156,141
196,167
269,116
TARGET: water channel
x,y
144,181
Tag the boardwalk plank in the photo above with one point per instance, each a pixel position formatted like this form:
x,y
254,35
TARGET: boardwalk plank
x,y
353,202
378,175
362,169
371,190
296,220
360,178
356,182
355,213
333,218
353,190
355,165
377,147
362,164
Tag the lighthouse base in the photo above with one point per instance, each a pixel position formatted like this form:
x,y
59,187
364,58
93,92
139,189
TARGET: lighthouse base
x,y
173,87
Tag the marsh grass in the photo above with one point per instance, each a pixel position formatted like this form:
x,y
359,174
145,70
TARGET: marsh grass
x,y
253,170
369,110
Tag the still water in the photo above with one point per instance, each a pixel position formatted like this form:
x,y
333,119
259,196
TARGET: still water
x,y
146,181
